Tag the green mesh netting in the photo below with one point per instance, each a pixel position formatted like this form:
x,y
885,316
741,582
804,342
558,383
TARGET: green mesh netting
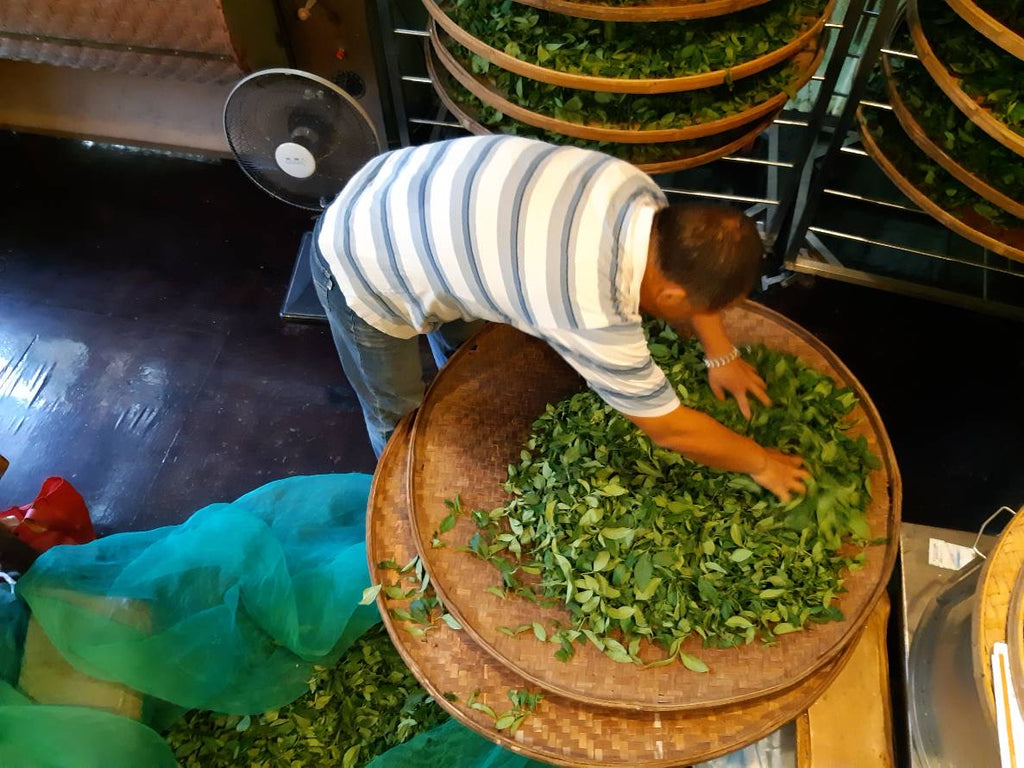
x,y
451,745
34,736
228,611
13,623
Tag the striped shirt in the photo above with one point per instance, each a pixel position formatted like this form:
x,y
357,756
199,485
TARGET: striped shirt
x,y
549,239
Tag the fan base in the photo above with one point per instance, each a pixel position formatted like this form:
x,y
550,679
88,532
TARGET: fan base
x,y
301,304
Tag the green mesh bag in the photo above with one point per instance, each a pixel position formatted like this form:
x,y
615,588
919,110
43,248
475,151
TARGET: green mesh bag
x,y
451,745
33,736
13,622
228,611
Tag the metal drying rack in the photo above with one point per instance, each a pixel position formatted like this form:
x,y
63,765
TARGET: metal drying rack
x,y
962,273
797,164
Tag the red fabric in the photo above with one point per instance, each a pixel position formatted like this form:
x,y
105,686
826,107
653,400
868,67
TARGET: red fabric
x,y
57,516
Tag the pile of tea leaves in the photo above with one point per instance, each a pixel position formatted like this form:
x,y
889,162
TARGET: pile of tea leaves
x,y
652,152
359,708
639,543
940,186
632,112
949,128
987,73
633,49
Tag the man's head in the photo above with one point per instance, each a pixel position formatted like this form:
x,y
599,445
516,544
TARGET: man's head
x,y
701,258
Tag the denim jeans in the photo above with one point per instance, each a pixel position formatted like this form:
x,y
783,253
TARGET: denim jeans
x,y
385,372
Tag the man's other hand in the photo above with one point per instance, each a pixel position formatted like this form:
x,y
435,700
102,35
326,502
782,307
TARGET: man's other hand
x,y
739,378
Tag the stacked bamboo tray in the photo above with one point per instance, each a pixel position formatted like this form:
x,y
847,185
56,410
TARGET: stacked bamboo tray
x,y
546,68
473,422
953,143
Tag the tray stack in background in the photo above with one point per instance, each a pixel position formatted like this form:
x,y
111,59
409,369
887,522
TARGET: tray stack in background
x,y
953,141
473,423
665,84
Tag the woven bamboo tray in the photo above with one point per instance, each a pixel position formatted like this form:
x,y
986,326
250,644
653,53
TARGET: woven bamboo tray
x,y
950,84
472,425
560,731
992,612
924,142
657,10
628,85
989,26
732,142
928,205
807,62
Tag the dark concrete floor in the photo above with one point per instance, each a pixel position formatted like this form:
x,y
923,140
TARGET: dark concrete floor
x,y
142,357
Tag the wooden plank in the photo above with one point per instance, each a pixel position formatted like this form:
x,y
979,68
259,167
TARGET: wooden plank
x,y
113,107
850,726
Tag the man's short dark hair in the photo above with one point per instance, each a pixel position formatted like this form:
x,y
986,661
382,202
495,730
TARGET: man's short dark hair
x,y
712,251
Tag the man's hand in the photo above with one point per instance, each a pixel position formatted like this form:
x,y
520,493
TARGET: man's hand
x,y
782,474
738,378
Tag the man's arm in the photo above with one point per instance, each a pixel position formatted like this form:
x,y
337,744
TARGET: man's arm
x,y
618,366
702,439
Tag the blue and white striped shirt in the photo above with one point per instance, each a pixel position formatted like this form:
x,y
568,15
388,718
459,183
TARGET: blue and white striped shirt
x,y
549,239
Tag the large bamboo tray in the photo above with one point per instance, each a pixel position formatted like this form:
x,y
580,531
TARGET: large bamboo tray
x,y
729,143
560,731
627,85
992,618
657,10
989,26
475,419
928,205
806,61
921,138
950,84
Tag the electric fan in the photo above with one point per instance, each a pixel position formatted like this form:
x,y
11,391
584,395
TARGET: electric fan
x,y
300,138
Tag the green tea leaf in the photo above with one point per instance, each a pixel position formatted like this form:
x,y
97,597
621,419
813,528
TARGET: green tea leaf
x,y
370,594
692,663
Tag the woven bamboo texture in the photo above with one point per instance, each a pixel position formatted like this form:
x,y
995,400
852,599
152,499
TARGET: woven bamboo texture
x,y
656,10
924,142
989,26
928,205
184,39
476,417
950,85
732,142
560,731
992,612
806,62
628,85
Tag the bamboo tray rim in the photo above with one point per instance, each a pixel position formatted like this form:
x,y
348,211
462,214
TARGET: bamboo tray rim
x,y
667,166
657,10
924,141
1003,566
950,85
989,26
493,98
850,626
928,205
625,85
758,711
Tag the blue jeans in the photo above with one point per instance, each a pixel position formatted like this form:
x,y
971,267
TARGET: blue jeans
x,y
385,372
